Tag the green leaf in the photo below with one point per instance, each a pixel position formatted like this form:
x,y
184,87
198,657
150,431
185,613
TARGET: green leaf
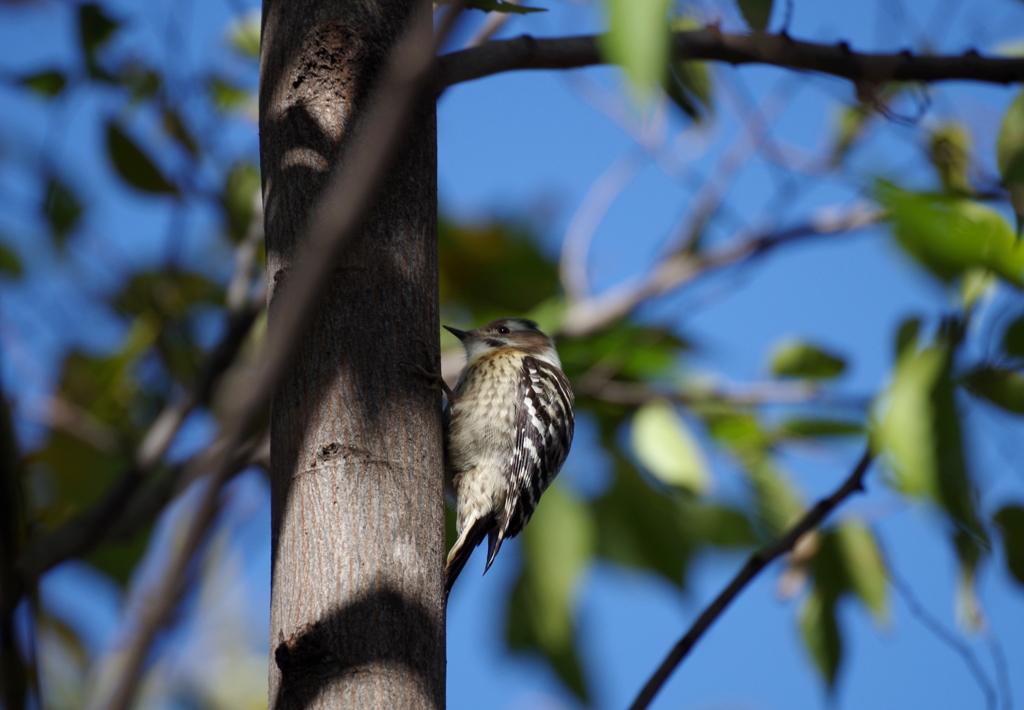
x,y
134,165
47,83
1013,338
864,567
62,209
10,264
974,285
908,336
244,35
638,41
776,499
1003,388
1010,143
241,190
800,359
94,29
949,235
557,548
664,445
949,150
176,128
688,83
226,96
820,632
907,430
757,13
1010,520
814,428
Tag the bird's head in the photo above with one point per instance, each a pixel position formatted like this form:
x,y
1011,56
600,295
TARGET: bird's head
x,y
507,334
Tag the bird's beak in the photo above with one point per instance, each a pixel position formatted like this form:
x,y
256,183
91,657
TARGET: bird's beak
x,y
460,334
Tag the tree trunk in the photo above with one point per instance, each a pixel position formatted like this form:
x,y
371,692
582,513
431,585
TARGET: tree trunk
x,y
357,610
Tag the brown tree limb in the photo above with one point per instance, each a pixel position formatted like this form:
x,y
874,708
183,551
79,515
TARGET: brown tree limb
x,y
757,562
711,44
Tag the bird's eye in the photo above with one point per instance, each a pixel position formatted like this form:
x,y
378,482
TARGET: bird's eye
x,y
503,330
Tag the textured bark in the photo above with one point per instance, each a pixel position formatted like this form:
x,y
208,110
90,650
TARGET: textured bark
x,y
357,616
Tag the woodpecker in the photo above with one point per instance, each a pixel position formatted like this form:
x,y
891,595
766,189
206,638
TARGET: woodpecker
x,y
507,430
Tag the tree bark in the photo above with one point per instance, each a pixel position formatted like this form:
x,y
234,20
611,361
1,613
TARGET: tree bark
x,y
357,610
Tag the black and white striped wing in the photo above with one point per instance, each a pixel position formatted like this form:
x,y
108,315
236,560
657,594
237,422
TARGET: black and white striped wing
x,y
544,428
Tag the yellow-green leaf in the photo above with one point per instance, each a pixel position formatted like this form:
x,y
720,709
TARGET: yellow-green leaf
x,y
638,40
662,442
865,568
949,235
820,631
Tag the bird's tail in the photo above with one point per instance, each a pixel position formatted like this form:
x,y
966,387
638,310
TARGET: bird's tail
x,y
463,548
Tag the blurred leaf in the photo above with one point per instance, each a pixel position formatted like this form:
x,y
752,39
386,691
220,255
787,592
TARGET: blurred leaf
x,y
1013,338
95,28
47,83
907,431
10,263
864,567
949,235
688,83
245,35
1010,154
974,285
664,445
557,548
226,96
167,294
1010,519
133,164
67,475
776,499
638,40
757,13
949,150
801,359
62,209
921,438
118,560
1004,388
176,128
241,190
820,631
639,528
814,428
852,120
628,351
908,336
142,82
493,269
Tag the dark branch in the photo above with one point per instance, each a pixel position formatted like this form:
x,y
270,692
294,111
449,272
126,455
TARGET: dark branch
x,y
527,52
757,562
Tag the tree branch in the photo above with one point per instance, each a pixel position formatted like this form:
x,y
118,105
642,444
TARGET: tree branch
x,y
711,44
757,562
680,269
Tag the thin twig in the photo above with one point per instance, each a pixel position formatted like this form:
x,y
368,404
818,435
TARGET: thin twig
x,y
527,52
957,645
680,269
757,562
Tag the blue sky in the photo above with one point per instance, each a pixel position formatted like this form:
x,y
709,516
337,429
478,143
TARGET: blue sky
x,y
528,143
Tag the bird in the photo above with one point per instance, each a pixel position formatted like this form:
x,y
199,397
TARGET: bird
x,y
508,426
